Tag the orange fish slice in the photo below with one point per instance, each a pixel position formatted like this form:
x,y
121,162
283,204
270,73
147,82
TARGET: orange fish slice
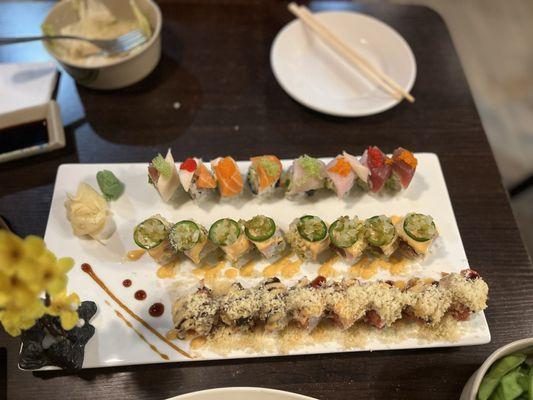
x,y
229,177
205,179
268,169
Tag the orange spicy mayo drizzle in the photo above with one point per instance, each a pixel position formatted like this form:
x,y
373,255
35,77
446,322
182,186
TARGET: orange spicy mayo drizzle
x,y
89,271
134,255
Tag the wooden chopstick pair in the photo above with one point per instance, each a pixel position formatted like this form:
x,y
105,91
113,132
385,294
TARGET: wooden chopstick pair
x,y
378,76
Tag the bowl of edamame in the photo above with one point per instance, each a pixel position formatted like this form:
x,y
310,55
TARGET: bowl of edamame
x,y
507,374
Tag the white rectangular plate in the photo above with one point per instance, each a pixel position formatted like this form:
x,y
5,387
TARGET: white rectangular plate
x,y
115,344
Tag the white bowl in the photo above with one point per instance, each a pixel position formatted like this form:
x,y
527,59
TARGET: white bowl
x,y
118,73
472,386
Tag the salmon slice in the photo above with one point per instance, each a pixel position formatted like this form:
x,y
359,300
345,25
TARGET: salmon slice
x,y
205,179
268,169
229,177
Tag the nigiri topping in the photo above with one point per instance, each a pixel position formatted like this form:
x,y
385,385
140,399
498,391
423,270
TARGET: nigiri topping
x,y
341,167
360,170
229,177
404,165
186,173
379,166
188,165
162,166
341,177
311,166
272,168
205,179
264,173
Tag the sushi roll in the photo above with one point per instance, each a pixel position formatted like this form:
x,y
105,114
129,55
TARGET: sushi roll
x,y
381,234
340,176
361,171
469,293
418,232
230,236
228,176
273,310
347,236
427,301
240,307
196,179
379,166
163,175
403,167
190,238
152,236
308,237
265,235
195,314
346,302
264,174
306,303
385,304
306,175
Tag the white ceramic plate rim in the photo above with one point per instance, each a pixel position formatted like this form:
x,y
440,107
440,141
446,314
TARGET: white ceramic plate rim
x,y
387,104
241,390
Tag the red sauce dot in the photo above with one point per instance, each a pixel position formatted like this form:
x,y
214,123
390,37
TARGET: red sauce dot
x,y
126,282
140,295
156,309
86,267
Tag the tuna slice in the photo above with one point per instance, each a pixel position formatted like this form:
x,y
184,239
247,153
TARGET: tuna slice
x,y
341,174
404,165
379,165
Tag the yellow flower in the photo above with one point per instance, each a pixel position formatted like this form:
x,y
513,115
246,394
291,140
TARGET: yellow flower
x,y
15,319
65,307
45,273
11,252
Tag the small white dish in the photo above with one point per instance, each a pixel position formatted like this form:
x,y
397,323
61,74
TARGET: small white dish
x,y
241,393
315,76
472,386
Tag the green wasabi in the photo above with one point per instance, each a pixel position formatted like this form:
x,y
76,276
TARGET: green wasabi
x,y
109,184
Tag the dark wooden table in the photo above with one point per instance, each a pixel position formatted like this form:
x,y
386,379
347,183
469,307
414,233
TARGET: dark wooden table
x,y
216,65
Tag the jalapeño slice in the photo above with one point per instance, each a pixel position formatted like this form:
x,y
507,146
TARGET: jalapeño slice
x,y
344,232
260,228
150,233
379,230
419,227
224,232
312,228
184,235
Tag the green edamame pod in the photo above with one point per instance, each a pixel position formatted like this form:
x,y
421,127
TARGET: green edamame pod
x,y
496,372
510,387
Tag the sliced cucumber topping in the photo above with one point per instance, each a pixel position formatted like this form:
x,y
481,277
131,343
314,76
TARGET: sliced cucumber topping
x,y
312,228
344,232
184,235
224,232
260,228
379,230
150,233
419,227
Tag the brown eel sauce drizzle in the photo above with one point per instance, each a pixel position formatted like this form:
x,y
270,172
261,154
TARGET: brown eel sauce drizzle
x,y
89,271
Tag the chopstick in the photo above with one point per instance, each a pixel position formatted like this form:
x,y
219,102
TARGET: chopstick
x,y
378,76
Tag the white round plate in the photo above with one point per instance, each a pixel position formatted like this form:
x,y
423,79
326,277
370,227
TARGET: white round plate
x,y
314,75
241,393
